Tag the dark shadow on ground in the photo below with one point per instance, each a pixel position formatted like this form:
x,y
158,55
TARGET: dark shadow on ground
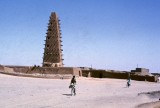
x,y
152,94
67,94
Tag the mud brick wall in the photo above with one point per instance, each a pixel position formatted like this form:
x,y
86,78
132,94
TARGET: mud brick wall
x,y
47,70
1,68
117,75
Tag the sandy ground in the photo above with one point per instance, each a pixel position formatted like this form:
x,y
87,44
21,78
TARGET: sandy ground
x,y
25,92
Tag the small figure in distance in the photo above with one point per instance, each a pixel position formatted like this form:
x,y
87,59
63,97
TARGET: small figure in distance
x,y
129,82
72,85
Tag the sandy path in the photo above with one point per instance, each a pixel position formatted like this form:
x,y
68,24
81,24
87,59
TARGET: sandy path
x,y
23,92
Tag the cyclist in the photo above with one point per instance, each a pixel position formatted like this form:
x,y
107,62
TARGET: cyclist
x,y
72,85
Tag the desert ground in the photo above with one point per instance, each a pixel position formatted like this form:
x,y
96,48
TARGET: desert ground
x,y
26,92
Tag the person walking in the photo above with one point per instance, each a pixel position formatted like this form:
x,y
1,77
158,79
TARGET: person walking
x,y
129,82
72,85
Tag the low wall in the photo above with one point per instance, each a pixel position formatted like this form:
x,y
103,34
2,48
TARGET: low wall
x,y
104,74
1,68
5,69
47,70
144,78
118,75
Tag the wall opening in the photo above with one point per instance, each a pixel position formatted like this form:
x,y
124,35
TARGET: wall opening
x,y
100,75
79,73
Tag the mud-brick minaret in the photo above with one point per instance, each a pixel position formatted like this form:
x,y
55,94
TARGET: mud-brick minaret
x,y
52,51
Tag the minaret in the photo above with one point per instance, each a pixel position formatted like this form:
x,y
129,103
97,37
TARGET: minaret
x,y
52,51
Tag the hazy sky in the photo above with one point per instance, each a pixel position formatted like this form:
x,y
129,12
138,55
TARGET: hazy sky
x,y
107,34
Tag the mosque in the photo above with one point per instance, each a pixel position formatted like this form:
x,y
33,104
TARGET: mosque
x,y
53,61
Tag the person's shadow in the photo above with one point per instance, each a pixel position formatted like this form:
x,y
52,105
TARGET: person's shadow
x,y
67,94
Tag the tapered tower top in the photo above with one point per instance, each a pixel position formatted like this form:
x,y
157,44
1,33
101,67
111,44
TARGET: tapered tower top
x,y
52,51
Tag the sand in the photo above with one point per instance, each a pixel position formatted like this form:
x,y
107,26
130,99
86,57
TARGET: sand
x,y
26,92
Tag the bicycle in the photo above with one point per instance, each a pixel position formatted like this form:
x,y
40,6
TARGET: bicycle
x,y
73,89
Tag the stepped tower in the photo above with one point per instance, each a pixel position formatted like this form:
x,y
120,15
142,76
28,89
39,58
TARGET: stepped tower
x,y
52,51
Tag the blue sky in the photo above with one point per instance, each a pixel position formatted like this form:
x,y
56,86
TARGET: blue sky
x,y
104,34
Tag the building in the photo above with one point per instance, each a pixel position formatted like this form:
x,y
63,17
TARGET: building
x,y
141,71
52,52
52,66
